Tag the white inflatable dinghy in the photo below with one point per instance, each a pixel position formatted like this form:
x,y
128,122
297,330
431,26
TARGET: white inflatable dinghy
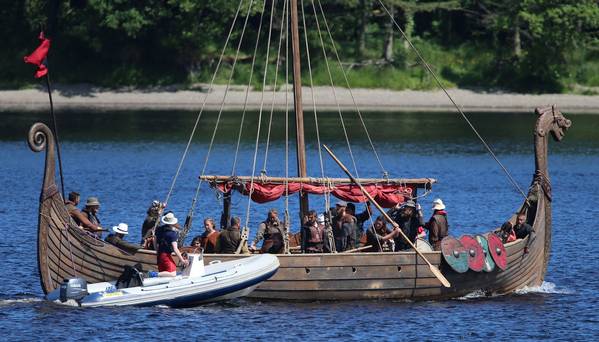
x,y
197,284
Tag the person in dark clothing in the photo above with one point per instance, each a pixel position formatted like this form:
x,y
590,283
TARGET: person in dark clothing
x,y
522,229
437,226
272,231
230,238
117,236
150,223
340,233
379,237
166,244
506,232
312,234
409,219
92,206
360,219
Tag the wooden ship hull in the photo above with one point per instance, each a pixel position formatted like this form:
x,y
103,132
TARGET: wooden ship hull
x,y
65,250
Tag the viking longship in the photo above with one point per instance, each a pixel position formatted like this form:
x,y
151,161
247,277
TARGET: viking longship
x,y
66,250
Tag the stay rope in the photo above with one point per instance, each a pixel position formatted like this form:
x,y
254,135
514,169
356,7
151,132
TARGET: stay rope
x,y
351,93
210,87
286,16
334,91
430,70
198,187
257,144
274,88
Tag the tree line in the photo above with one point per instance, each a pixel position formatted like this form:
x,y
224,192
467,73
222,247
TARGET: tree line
x,y
522,45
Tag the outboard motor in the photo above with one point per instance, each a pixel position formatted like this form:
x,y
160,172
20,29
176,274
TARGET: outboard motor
x,y
74,288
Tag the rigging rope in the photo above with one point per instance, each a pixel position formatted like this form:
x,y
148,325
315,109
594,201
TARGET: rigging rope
x,y
257,144
334,92
350,90
286,124
195,126
274,88
428,68
247,91
312,93
197,191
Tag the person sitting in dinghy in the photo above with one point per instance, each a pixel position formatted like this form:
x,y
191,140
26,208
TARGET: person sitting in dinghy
x,y
117,238
166,244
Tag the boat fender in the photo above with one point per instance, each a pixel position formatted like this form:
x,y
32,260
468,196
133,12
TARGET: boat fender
x,y
74,288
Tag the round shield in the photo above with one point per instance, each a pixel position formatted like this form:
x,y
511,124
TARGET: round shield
x,y
497,251
423,246
454,254
476,258
489,263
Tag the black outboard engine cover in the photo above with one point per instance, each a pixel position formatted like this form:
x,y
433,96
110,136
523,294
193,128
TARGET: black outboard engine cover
x,y
74,288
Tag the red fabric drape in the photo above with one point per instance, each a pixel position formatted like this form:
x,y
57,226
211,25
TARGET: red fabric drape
x,y
386,195
38,56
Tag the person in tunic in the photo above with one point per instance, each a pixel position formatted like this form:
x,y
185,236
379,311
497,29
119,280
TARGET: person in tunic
x,y
90,212
272,231
437,226
77,215
209,238
150,223
312,234
166,244
340,233
409,219
230,238
360,219
379,237
117,236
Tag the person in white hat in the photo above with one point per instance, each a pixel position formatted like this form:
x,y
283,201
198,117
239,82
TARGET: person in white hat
x,y
166,244
437,225
117,238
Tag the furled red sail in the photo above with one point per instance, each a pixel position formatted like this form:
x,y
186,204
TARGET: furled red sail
x,y
387,195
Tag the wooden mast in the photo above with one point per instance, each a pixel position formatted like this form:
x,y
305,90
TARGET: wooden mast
x,y
297,101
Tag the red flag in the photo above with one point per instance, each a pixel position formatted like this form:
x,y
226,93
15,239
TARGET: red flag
x,y
38,56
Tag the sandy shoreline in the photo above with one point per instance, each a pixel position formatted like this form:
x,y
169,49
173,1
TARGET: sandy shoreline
x,y
87,98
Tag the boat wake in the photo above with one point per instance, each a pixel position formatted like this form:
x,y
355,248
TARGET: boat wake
x,y
23,300
545,288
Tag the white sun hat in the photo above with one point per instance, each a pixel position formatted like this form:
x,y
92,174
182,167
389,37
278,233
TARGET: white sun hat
x,y
438,204
122,228
169,219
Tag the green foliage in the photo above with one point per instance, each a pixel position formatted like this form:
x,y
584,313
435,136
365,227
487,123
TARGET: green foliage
x,y
524,45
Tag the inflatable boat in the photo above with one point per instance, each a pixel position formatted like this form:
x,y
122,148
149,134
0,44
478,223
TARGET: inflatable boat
x,y
197,284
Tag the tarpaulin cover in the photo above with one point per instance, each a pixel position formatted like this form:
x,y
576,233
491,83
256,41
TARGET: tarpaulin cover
x,y
387,195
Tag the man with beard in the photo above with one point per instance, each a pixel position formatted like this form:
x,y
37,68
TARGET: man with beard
x,y
409,218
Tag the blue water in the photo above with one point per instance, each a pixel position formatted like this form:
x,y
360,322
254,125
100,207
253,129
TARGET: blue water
x,y
129,159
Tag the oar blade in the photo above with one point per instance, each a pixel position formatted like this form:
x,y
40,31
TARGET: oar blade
x,y
439,275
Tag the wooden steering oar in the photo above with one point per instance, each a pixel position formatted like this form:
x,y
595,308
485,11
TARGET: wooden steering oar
x,y
433,268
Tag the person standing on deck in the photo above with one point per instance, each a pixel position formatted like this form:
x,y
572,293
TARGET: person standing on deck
x,y
230,238
77,215
409,218
150,223
90,212
312,234
339,233
117,236
166,243
208,239
272,232
360,219
437,226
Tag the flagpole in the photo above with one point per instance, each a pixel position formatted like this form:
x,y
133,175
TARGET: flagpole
x,y
55,129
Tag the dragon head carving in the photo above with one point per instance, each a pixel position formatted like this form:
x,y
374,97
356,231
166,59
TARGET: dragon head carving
x,y
551,120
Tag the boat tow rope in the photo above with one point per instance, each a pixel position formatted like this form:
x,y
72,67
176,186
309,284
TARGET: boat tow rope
x,y
428,68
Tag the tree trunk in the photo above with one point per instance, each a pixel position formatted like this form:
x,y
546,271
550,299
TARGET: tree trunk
x,y
388,46
517,41
409,28
361,30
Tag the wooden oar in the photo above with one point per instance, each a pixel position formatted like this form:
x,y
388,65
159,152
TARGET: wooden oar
x,y
433,268
357,249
